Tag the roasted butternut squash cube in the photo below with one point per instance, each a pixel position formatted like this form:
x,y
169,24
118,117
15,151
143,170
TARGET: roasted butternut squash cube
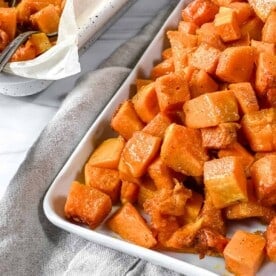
x,y
105,180
142,82
26,51
259,129
165,67
131,226
244,253
41,42
147,191
245,96
145,102
139,151
47,19
263,47
243,11
271,238
269,29
129,192
125,173
253,27
225,180
108,153
219,136
8,21
182,150
200,11
236,64
125,120
227,25
161,174
167,53
187,27
205,57
172,91
265,73
236,149
158,125
211,109
201,82
263,175
85,204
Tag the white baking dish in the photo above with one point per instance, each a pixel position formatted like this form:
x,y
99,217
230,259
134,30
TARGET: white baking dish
x,y
188,264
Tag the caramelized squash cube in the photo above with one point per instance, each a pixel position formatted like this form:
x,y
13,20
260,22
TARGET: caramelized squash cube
x,y
85,204
211,109
41,42
165,67
8,21
225,180
131,226
129,192
182,150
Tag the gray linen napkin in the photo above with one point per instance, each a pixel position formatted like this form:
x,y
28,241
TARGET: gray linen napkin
x,y
29,243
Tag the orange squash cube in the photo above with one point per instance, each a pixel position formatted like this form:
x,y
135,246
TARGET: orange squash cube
x,y
244,253
225,180
245,96
236,64
271,238
105,180
227,25
263,47
269,29
187,27
125,120
158,125
259,129
200,11
8,21
139,151
219,136
41,42
145,102
131,226
141,82
243,11
108,153
163,68
211,109
129,192
85,204
182,150
205,57
253,27
201,82
263,175
172,91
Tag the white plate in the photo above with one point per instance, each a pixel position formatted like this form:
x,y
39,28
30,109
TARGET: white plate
x,y
91,23
54,201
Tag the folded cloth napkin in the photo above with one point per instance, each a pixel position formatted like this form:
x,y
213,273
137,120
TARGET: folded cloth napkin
x,y
29,243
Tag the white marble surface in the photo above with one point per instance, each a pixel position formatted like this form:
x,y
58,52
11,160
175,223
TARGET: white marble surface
x,y
23,119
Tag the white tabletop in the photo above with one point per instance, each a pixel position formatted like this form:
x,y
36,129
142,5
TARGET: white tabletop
x,y
23,119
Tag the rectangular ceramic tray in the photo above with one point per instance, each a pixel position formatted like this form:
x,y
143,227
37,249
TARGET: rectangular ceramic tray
x,y
188,264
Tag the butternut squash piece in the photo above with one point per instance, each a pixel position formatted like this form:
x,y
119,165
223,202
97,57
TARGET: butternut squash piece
x,y
262,8
271,238
205,57
263,47
107,154
47,19
158,125
41,42
227,25
243,11
24,52
269,29
163,68
236,149
236,64
200,11
225,180
266,73
244,253
182,150
201,82
211,109
125,173
129,192
131,226
167,53
142,82
219,136
253,27
139,151
263,175
245,96
187,27
145,102
85,204
259,129
105,180
8,21
125,120
172,91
